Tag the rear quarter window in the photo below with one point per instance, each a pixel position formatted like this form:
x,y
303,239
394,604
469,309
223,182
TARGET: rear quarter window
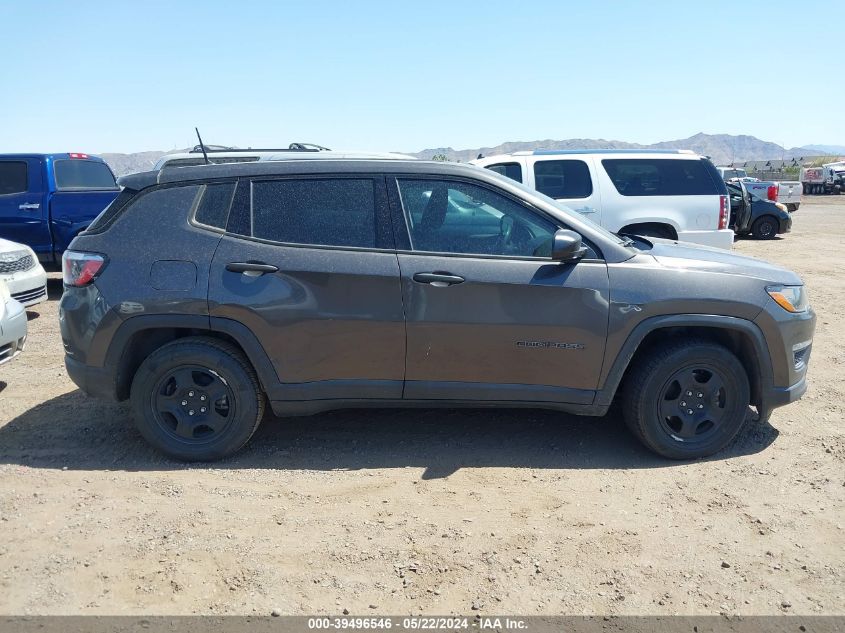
x,y
13,177
510,170
83,174
213,208
169,202
660,177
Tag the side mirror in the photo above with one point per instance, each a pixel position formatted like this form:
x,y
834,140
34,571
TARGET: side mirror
x,y
566,246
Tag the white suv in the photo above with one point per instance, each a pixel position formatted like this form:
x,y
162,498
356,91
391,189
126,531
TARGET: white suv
x,y
673,194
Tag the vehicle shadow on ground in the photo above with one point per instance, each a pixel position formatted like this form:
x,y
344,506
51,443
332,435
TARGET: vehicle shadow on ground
x,y
76,432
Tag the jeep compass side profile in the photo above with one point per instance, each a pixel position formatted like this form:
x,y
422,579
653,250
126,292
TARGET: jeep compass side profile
x,y
206,293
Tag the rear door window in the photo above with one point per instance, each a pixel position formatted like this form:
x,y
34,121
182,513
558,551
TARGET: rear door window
x,y
660,177
563,178
320,211
83,174
511,170
13,177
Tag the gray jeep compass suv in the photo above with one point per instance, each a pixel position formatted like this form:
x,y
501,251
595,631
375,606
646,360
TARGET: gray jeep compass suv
x,y
204,293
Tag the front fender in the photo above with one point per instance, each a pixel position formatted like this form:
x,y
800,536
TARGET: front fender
x,y
617,361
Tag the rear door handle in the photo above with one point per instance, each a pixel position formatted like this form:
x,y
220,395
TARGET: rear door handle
x,y
251,269
440,280
29,206
586,210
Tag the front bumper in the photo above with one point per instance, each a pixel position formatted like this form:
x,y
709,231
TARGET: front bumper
x,y
785,225
12,331
28,287
790,341
723,238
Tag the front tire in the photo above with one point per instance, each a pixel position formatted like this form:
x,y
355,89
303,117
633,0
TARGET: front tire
x,y
197,399
687,400
765,228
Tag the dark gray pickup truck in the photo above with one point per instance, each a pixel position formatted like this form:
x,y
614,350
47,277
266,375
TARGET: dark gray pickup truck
x,y
206,292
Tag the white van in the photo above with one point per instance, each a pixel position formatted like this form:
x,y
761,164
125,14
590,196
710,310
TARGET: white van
x,y
673,194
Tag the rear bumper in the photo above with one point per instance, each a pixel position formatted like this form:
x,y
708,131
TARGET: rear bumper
x,y
95,381
723,238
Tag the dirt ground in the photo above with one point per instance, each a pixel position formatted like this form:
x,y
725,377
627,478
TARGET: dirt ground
x,y
434,511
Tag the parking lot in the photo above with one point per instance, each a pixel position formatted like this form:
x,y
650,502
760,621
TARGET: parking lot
x,y
434,511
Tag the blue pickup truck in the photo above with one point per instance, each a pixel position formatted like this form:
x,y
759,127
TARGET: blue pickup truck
x,y
47,199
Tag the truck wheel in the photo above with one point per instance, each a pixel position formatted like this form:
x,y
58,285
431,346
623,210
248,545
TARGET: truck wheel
x,y
197,399
806,189
765,228
687,400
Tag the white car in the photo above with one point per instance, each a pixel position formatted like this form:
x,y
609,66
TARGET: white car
x,y
674,194
22,272
12,326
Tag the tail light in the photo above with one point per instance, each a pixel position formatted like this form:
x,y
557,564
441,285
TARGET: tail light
x,y
80,269
724,211
772,193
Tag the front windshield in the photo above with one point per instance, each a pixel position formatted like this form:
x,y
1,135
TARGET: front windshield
x,y
563,208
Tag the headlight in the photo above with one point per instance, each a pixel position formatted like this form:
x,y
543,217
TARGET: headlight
x,y
790,298
12,256
782,207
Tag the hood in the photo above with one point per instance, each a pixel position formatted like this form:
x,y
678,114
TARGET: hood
x,y
673,254
8,246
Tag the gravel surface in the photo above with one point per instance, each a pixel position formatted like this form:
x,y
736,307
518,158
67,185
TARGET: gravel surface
x,y
434,511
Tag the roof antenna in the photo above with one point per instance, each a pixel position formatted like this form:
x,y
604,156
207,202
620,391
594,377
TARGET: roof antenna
x,y
202,147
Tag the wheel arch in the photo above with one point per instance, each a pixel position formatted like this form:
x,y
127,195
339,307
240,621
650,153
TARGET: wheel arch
x,y
659,226
740,336
138,337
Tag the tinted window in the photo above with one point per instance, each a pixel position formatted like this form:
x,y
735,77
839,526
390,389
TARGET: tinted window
x,y
329,212
456,217
511,170
12,177
213,209
171,202
83,174
563,178
659,177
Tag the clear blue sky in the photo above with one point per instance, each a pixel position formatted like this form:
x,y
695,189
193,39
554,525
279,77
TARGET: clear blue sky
x,y
400,75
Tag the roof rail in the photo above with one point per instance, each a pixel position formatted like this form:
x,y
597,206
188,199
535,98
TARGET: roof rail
x,y
293,147
550,152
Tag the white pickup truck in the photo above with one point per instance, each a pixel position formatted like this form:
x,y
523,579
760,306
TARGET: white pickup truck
x,y
787,192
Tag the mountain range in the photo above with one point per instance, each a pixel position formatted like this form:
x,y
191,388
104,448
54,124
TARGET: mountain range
x,y
721,148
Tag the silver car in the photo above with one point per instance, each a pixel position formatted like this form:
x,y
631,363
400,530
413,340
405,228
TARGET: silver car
x,y
12,325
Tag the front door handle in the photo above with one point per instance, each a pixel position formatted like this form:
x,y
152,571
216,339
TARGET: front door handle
x,y
440,280
29,206
251,269
586,210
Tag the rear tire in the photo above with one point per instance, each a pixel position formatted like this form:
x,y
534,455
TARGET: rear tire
x,y
687,400
197,399
765,228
